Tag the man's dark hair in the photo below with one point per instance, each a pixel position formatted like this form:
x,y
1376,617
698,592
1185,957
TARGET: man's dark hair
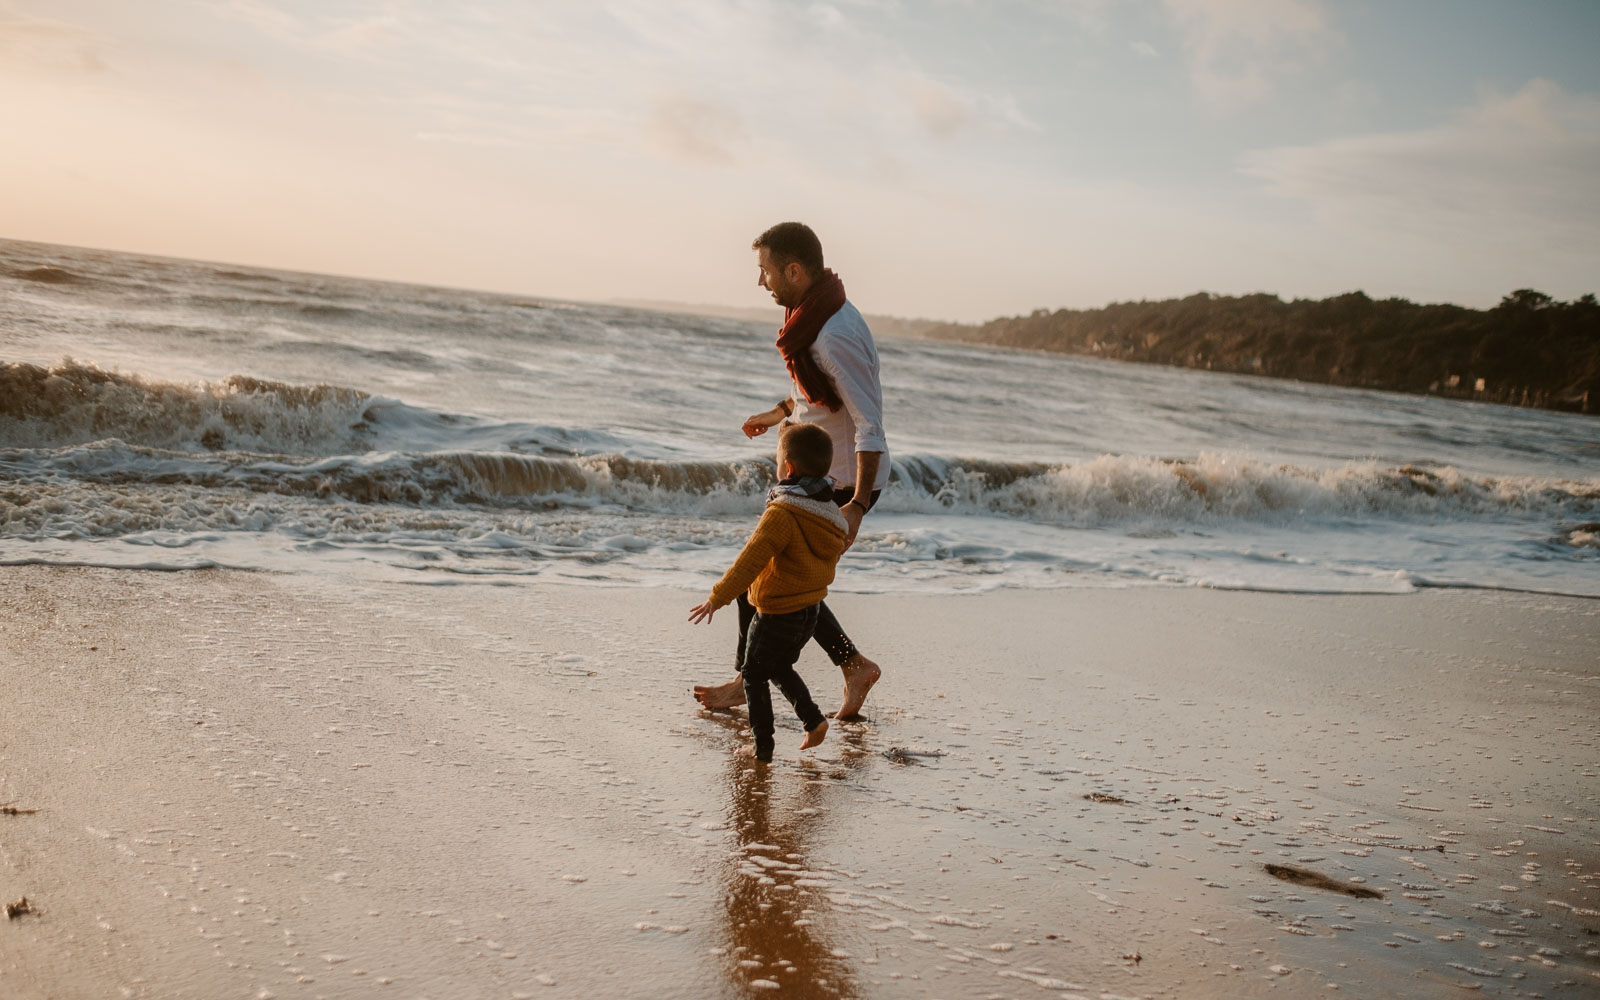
x,y
792,241
808,448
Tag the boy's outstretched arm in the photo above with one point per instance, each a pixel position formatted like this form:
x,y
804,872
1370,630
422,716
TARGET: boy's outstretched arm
x,y
771,535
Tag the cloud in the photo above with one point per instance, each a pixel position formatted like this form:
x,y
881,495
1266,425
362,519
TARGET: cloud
x,y
473,139
1238,48
938,109
270,20
1145,49
827,15
1008,113
327,30
698,80
696,131
1522,168
1093,17
44,44
362,36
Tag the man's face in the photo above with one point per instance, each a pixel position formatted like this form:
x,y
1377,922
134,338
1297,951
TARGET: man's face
x,y
781,281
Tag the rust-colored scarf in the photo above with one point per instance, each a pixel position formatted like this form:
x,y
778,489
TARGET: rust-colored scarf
x,y
800,328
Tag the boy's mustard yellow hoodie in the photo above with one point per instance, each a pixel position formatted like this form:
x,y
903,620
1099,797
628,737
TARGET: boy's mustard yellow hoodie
x,y
789,560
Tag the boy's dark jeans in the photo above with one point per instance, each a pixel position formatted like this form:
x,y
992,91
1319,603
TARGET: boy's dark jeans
x,y
829,634
772,645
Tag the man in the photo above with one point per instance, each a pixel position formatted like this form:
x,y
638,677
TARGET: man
x,y
833,368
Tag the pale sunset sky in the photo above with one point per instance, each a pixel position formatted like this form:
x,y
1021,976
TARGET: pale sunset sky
x,y
960,159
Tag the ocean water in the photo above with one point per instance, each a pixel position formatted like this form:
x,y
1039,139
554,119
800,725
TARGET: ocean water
x,y
169,414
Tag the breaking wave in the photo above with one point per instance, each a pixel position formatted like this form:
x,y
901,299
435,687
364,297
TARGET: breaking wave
x,y
75,403
49,275
242,433
1207,489
434,479
1230,487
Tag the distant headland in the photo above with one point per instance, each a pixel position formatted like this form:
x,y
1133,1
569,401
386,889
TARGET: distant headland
x,y
1530,350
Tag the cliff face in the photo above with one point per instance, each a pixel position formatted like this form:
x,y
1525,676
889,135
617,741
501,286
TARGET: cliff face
x,y
1530,350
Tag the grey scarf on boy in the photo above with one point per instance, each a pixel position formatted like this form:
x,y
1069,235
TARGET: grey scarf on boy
x,y
810,487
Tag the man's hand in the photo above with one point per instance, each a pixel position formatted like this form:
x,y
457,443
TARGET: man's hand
x,y
856,509
757,425
853,513
701,613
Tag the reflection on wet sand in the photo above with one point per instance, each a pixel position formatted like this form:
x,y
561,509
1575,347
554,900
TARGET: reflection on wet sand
x,y
776,912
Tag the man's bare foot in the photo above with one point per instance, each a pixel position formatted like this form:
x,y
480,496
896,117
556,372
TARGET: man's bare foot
x,y
749,752
860,674
728,695
814,737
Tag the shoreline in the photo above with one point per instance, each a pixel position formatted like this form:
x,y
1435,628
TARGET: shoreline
x,y
855,587
253,784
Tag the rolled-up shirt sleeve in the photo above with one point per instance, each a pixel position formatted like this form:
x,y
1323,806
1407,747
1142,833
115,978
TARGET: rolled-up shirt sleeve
x,y
853,366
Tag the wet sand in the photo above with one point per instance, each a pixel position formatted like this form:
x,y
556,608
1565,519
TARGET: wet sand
x,y
246,785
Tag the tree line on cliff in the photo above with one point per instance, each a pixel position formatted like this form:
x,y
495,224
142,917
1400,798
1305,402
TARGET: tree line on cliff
x,y
1530,350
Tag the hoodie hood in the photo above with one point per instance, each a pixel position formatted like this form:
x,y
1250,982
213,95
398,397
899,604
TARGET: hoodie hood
x,y
821,524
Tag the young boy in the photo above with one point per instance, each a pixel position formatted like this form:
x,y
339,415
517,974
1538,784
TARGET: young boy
x,y
786,567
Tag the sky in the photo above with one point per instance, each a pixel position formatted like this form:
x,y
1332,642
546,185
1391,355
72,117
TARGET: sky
x,y
959,159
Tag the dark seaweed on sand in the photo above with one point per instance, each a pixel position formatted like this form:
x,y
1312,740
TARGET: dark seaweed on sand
x,y
1317,880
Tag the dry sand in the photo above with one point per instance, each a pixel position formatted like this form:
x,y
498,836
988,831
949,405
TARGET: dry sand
x,y
285,786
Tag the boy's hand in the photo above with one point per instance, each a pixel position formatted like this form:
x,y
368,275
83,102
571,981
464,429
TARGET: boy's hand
x,y
701,613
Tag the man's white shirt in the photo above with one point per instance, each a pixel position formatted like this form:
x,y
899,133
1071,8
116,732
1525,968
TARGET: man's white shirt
x,y
845,351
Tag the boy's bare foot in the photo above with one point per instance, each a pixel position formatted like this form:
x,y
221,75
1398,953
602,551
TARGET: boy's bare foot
x,y
860,674
749,752
728,695
814,737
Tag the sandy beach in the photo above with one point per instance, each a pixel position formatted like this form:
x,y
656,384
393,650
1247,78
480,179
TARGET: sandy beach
x,y
223,784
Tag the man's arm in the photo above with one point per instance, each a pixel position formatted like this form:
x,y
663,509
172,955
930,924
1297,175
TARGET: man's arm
x,y
856,509
852,365
758,424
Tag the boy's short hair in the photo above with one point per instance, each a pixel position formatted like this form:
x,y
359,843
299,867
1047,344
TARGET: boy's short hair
x,y
808,448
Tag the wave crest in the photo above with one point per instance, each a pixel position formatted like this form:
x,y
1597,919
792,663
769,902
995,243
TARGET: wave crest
x,y
1228,487
76,403
1108,489
48,274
